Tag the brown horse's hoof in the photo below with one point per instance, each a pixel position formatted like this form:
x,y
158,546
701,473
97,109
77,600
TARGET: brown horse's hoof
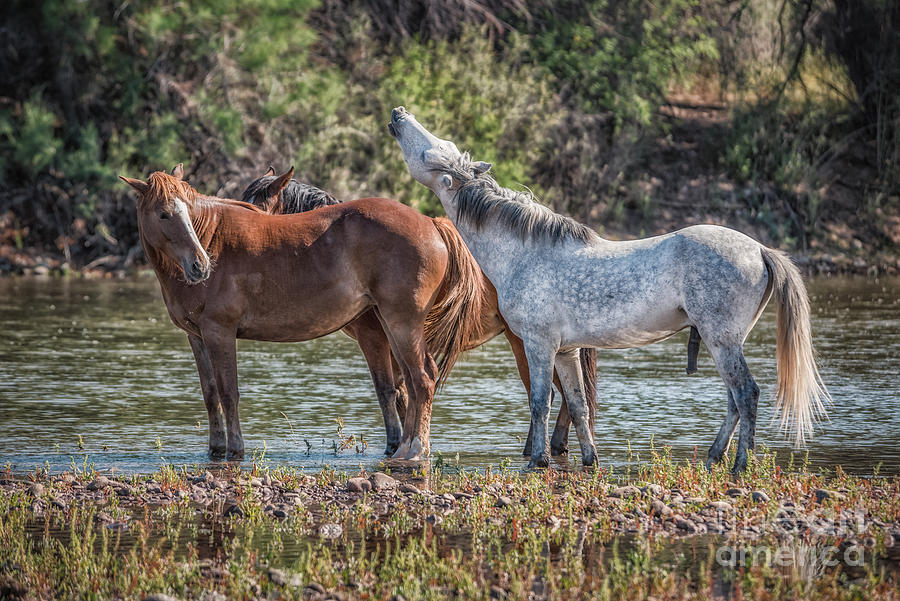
x,y
235,455
391,448
558,451
217,453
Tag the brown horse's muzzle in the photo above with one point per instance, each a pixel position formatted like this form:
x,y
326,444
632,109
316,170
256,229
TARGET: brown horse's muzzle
x,y
197,271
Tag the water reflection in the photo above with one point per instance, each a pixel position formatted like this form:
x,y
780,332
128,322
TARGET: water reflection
x,y
100,360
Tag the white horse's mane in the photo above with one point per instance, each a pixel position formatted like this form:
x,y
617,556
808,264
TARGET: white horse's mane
x,y
480,198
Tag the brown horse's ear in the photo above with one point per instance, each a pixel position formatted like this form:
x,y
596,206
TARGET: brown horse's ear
x,y
137,184
273,189
270,171
178,171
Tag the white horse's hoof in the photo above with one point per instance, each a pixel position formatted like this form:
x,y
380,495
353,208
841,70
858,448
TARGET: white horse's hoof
x,y
539,462
416,450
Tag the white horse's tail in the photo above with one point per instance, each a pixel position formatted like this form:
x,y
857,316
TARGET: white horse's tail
x,y
800,394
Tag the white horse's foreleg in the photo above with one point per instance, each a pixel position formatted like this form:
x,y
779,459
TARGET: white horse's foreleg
x,y
734,371
725,432
540,370
568,366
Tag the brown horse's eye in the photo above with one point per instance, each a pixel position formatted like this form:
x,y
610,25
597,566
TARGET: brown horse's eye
x,y
163,215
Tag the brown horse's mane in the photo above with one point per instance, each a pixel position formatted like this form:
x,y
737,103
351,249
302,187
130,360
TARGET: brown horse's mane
x,y
162,190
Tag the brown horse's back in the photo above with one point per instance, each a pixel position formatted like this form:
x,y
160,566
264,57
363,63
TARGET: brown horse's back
x,y
297,277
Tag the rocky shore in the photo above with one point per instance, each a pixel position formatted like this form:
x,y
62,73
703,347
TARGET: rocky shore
x,y
450,522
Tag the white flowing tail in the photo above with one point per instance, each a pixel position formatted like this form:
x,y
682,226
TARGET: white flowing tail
x,y
800,394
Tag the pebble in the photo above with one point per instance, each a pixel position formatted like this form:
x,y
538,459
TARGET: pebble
x,y
98,483
315,587
278,577
721,506
660,508
759,496
160,597
359,485
409,489
235,511
434,519
656,490
736,492
36,490
497,592
625,491
382,481
503,502
822,494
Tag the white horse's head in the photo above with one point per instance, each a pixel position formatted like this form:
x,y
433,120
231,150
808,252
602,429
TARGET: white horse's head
x,y
430,160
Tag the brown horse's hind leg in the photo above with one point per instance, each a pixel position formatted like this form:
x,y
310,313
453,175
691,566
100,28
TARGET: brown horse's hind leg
x,y
400,387
377,350
217,439
223,358
408,346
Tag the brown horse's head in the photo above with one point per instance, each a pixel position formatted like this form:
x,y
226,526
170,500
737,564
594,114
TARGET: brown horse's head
x,y
164,222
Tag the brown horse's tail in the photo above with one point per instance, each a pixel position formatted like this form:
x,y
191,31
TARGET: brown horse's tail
x,y
800,394
455,317
588,358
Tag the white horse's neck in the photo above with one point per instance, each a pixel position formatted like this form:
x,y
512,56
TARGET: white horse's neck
x,y
496,249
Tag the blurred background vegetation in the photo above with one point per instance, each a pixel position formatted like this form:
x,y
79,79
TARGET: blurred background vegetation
x,y
777,117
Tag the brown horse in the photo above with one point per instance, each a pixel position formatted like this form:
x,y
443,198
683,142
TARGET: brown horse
x,y
281,194
228,270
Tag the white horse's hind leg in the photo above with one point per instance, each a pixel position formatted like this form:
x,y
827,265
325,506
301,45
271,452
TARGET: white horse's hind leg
x,y
725,432
540,371
734,371
568,366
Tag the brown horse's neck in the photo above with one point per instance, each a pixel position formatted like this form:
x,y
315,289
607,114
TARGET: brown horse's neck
x,y
206,216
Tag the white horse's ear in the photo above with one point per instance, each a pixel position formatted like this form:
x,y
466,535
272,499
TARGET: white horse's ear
x,y
481,167
446,182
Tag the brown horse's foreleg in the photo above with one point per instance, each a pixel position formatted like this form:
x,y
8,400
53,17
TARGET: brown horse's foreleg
x,y
217,439
559,444
223,357
377,350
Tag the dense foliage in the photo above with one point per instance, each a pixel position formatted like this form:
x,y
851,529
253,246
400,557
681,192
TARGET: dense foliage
x,y
597,107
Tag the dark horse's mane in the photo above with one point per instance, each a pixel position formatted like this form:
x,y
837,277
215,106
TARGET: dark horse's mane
x,y
296,197
480,198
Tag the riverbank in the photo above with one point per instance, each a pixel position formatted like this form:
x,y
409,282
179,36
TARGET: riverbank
x,y
670,531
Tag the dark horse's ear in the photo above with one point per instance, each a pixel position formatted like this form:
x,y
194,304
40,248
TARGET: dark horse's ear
x,y
270,171
178,171
137,184
273,189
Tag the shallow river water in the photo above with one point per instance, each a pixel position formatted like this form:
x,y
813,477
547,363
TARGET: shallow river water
x,y
93,371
